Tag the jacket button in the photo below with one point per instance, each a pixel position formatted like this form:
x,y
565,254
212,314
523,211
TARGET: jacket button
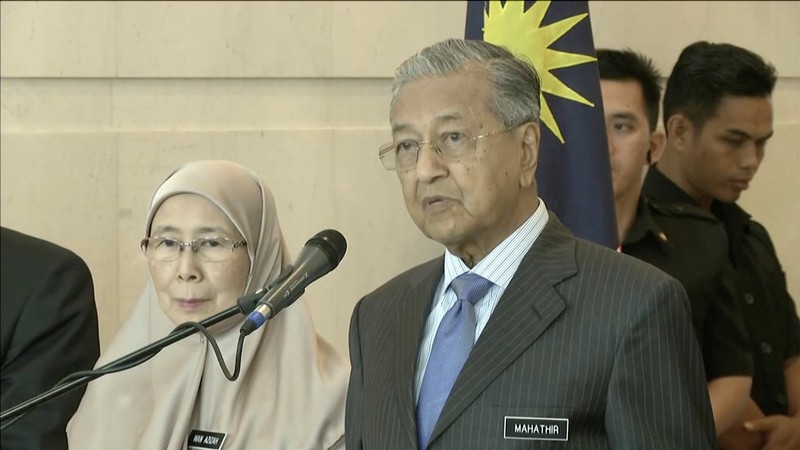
x,y
781,399
749,299
766,348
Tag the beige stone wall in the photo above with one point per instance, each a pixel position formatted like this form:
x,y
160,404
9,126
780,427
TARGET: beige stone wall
x,y
101,100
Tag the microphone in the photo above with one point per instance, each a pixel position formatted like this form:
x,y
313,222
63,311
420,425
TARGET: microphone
x,y
320,255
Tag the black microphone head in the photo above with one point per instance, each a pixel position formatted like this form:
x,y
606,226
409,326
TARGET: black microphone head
x,y
332,243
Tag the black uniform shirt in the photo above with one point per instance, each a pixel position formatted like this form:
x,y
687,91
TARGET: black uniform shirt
x,y
689,244
769,310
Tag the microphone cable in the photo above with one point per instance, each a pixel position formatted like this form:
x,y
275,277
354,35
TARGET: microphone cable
x,y
97,373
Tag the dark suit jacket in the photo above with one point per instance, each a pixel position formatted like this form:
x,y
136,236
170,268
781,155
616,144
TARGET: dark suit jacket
x,y
582,333
49,330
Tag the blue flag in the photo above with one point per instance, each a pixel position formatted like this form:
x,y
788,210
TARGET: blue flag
x,y
574,175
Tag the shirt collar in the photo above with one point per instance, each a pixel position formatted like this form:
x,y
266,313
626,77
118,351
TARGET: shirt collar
x,y
660,188
506,255
733,217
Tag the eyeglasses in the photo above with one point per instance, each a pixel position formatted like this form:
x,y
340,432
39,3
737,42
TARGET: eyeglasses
x,y
451,146
208,248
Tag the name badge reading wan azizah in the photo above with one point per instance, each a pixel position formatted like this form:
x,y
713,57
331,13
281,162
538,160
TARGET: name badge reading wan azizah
x,y
536,428
205,440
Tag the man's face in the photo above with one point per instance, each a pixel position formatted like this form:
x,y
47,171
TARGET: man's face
x,y
472,204
719,160
628,133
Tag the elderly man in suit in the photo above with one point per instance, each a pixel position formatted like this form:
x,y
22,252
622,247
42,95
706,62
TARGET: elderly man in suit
x,y
520,335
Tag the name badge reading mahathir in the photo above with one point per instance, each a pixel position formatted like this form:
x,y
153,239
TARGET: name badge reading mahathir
x,y
536,428
205,440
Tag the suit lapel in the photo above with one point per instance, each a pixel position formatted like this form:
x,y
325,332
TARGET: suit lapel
x,y
413,306
526,309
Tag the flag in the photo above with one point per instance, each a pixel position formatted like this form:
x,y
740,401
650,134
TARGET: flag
x,y
574,175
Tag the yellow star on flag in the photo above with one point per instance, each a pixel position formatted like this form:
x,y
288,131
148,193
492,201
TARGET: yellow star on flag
x,y
523,34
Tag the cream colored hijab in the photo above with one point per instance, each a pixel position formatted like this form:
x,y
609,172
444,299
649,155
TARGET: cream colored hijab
x,y
291,391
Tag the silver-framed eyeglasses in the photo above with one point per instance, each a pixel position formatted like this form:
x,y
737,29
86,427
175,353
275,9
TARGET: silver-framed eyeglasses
x,y
451,146
206,248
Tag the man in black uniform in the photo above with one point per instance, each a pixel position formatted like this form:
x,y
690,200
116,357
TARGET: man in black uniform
x,y
683,240
718,118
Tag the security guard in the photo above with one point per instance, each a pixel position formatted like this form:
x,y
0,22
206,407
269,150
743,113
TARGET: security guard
x,y
718,117
682,239
690,244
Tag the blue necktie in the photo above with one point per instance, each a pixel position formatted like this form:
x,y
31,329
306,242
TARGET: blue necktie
x,y
451,347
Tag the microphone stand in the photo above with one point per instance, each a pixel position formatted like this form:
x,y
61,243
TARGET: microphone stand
x,y
245,306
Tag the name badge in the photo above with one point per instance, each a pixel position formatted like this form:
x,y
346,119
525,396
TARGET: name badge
x,y
205,440
536,428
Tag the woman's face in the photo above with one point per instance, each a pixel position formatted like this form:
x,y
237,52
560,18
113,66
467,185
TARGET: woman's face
x,y
191,287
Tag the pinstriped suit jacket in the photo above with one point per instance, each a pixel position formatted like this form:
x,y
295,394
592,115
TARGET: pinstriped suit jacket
x,y
581,333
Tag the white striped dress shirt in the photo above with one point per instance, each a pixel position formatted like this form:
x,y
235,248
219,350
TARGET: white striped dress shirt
x,y
499,267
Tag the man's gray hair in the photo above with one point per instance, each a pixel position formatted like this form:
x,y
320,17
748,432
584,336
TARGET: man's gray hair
x,y
515,89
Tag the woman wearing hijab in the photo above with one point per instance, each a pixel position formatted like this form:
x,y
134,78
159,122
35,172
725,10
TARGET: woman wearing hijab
x,y
212,235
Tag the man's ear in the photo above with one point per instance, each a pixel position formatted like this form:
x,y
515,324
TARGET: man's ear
x,y
657,140
679,131
529,157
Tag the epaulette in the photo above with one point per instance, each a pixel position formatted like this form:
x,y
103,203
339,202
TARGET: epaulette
x,y
680,210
